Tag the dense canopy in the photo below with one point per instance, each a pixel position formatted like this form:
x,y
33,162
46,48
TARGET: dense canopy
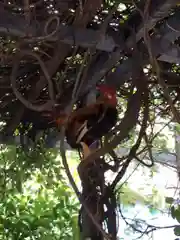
x,y
48,46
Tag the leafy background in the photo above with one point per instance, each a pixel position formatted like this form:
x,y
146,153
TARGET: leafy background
x,y
37,201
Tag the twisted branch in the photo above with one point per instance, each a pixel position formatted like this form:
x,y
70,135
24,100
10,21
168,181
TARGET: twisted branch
x,y
19,96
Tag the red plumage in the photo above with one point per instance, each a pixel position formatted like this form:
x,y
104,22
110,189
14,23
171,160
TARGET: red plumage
x,y
109,93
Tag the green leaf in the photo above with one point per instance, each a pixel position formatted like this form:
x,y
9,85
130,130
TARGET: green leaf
x,y
169,200
173,212
27,218
66,214
44,222
177,214
177,231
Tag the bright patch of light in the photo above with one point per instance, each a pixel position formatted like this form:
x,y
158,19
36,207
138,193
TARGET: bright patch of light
x,y
2,124
121,7
36,48
145,70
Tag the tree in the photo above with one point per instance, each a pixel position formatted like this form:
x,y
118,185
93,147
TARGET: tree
x,y
60,53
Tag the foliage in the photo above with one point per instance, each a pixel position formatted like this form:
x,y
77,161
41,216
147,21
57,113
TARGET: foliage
x,y
175,213
44,207
37,203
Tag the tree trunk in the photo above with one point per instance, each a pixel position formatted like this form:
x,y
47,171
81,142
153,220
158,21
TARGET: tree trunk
x,y
91,183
